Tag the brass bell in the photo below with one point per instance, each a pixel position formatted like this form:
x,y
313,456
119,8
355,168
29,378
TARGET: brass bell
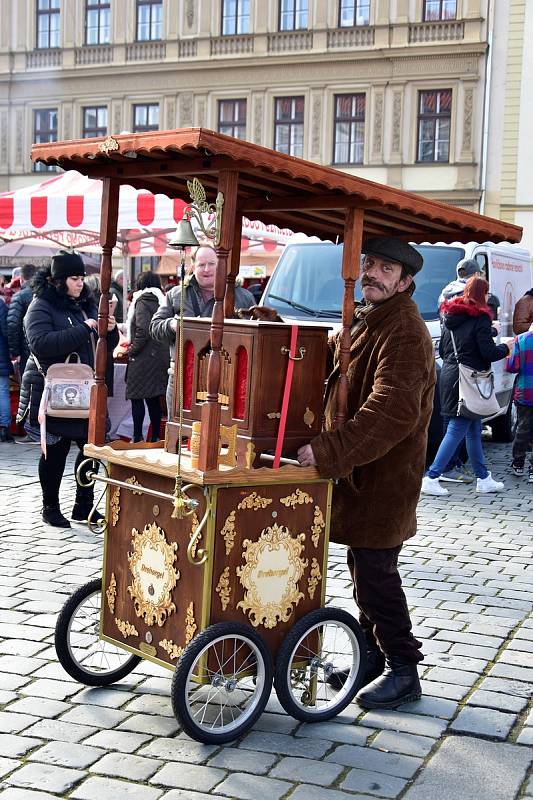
x,y
184,236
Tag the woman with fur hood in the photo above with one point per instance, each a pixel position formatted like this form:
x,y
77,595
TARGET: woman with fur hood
x,y
148,360
60,321
470,319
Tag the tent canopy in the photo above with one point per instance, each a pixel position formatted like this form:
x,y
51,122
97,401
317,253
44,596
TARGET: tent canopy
x,y
271,186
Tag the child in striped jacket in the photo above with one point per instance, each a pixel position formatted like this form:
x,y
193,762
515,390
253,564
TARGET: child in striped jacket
x,y
521,362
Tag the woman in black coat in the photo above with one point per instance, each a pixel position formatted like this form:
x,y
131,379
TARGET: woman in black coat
x,y
469,319
60,321
148,360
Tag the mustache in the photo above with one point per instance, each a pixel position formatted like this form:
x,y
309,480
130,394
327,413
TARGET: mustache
x,y
369,282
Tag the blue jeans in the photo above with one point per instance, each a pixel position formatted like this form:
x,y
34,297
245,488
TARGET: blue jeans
x,y
460,428
5,408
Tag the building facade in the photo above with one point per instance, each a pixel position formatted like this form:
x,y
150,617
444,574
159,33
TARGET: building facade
x,y
390,90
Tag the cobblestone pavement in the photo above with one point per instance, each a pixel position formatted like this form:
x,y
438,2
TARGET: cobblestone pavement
x,y
468,577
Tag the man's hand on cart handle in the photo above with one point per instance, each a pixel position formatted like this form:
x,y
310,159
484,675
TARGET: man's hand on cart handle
x,y
306,457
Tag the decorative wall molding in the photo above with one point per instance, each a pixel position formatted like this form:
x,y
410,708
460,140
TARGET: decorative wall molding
x,y
396,143
19,129
189,13
377,132
468,107
316,126
171,113
4,160
258,120
185,107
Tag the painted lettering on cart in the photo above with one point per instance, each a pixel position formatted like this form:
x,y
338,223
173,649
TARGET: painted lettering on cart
x,y
151,571
272,573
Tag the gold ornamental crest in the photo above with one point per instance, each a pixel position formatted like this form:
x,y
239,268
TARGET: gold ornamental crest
x,y
271,576
154,576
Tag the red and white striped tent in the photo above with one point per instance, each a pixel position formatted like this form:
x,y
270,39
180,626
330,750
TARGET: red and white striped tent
x,y
66,209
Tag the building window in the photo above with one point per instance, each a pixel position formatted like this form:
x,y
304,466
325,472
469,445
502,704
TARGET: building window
x,y
145,117
435,10
289,125
434,116
48,20
232,118
293,15
44,130
349,130
149,20
97,14
354,12
235,17
94,121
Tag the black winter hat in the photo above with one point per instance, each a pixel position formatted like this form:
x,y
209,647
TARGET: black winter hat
x,y
396,250
66,265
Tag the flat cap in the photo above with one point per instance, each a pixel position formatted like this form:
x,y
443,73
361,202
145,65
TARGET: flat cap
x,y
396,250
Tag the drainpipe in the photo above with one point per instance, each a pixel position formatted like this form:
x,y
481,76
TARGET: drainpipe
x,y
486,108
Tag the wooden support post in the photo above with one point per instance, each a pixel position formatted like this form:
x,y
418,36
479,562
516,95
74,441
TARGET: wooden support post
x,y
233,267
351,258
208,456
108,238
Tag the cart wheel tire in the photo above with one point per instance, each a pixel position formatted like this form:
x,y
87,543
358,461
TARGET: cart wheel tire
x,y
323,641
87,658
217,705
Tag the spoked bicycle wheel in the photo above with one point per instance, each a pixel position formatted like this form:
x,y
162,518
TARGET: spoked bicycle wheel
x,y
81,652
222,682
319,644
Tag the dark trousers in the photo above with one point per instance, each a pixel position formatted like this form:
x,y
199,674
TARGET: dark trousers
x,y
51,471
523,440
137,412
383,612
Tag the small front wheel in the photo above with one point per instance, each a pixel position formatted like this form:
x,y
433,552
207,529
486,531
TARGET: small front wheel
x,y
326,641
87,658
222,683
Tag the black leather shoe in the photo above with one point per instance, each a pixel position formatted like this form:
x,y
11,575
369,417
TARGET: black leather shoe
x,y
81,511
398,684
5,435
52,516
375,663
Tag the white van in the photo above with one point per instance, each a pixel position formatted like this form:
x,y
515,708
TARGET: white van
x,y
307,286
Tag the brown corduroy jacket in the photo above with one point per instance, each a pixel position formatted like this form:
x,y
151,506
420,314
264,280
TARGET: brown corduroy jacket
x,y
378,455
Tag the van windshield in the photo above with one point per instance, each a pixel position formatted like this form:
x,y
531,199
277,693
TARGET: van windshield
x,y
307,281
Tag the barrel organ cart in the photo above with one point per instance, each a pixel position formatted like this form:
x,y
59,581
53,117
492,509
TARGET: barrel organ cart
x,y
215,552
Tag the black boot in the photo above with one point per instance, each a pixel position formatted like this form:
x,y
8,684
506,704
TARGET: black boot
x,y
398,684
375,664
5,435
82,508
52,516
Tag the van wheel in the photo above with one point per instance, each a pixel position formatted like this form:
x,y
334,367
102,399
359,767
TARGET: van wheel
x,y
504,427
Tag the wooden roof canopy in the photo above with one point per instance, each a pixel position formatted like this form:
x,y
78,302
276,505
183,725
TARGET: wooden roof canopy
x,y
271,186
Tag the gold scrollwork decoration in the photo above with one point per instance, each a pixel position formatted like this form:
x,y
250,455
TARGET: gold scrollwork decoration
x,y
228,532
315,576
109,145
114,505
194,526
254,501
172,649
271,575
133,482
190,625
297,498
126,628
154,576
318,526
111,593
249,457
223,588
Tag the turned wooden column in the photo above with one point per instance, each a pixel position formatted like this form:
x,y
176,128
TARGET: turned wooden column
x,y
233,267
108,238
351,259
208,456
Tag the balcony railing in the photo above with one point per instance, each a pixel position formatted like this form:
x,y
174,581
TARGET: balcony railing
x,y
94,54
449,31
44,59
351,37
231,45
187,48
146,51
285,41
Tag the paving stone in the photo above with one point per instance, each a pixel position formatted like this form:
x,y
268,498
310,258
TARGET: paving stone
x,y
503,702
185,794
55,690
275,723
154,725
285,745
375,783
448,691
188,776
96,716
525,737
111,698
14,723
307,792
109,789
515,673
46,708
19,665
67,754
507,686
178,749
7,765
47,777
134,768
441,779
407,723
306,770
453,676
241,760
432,706
407,743
121,741
402,766
250,787
12,793
348,734
56,729
15,745
484,721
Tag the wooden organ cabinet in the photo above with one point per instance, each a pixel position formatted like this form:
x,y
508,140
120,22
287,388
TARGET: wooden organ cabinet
x,y
254,362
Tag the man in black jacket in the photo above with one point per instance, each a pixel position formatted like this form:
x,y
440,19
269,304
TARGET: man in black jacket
x,y
18,346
